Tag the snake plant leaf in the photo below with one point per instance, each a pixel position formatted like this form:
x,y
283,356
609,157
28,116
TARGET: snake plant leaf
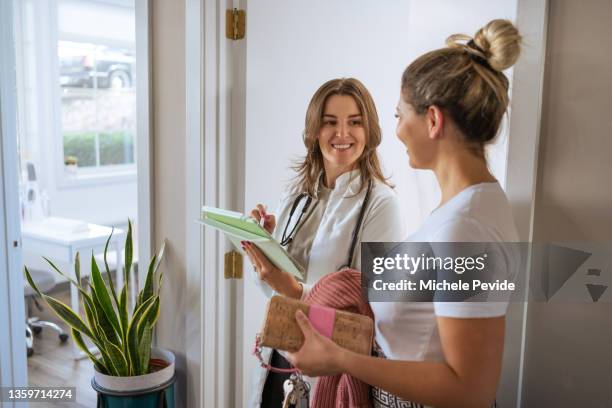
x,y
78,339
69,278
104,345
144,344
33,285
77,283
108,272
128,252
149,319
68,316
132,336
62,310
150,314
110,332
123,310
140,311
100,335
103,299
28,277
134,355
159,283
90,315
77,268
117,358
147,290
160,256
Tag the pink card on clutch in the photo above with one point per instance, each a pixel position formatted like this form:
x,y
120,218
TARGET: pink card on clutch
x,y
280,330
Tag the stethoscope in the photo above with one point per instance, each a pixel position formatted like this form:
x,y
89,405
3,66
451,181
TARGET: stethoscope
x,y
287,239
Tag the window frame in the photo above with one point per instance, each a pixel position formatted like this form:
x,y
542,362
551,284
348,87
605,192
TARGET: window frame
x,y
93,175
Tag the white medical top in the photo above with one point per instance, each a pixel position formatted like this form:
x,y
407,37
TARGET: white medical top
x,y
480,213
323,238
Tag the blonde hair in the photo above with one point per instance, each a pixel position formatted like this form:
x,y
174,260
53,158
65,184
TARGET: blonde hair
x,y
466,80
310,167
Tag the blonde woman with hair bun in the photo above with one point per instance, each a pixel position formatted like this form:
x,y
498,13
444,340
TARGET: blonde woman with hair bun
x,y
442,354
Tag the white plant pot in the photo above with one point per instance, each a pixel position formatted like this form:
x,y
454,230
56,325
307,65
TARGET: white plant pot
x,y
139,382
71,170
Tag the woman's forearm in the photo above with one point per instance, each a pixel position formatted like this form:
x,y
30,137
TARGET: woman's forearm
x,y
430,383
293,288
285,284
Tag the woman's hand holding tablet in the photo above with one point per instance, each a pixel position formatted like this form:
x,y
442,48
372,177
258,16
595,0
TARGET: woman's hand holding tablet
x,y
282,282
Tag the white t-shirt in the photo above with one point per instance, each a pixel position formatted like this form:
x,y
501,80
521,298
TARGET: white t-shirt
x,y
480,213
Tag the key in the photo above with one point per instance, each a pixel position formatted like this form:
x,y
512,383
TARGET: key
x,y
302,392
304,401
289,390
288,386
290,400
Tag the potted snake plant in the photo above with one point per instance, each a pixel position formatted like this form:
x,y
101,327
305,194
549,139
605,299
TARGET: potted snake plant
x,y
129,372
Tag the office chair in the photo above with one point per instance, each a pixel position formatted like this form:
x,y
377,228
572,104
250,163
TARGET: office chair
x,y
45,282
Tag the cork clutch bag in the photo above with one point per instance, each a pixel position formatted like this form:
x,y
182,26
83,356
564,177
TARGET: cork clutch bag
x,y
280,329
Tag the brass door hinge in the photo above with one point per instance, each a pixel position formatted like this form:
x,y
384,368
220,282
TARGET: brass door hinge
x,y
235,24
233,265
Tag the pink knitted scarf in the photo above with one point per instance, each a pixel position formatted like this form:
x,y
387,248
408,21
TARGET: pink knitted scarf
x,y
340,290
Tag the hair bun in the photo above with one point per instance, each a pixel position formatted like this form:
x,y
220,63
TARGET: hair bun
x,y
500,42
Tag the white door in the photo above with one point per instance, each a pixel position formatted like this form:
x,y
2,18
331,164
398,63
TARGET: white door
x,y
292,47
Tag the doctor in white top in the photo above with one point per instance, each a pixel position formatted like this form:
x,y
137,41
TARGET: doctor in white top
x,y
434,353
339,198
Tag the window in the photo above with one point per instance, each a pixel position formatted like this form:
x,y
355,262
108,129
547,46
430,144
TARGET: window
x,y
97,104
96,78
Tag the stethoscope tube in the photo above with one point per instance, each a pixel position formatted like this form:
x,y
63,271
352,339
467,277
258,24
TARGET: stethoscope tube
x,y
364,205
287,239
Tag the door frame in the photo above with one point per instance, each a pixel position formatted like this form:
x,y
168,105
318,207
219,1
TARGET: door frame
x,y
210,322
522,156
13,361
212,95
144,136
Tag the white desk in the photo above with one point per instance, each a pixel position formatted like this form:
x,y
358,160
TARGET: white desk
x,y
60,245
